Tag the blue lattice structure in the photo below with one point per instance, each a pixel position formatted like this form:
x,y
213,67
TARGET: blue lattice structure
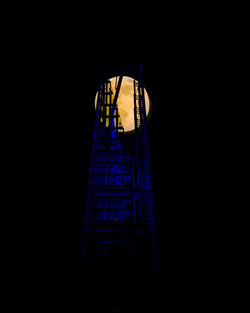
x,y
119,219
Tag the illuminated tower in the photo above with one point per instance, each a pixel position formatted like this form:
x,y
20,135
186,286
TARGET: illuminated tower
x,y
119,221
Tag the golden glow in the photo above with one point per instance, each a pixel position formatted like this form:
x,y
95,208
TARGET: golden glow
x,y
125,102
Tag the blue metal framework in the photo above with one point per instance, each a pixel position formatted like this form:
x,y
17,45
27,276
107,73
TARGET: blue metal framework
x,y
119,217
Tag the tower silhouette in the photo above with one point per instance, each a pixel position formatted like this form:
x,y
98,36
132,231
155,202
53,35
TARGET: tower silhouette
x,y
119,220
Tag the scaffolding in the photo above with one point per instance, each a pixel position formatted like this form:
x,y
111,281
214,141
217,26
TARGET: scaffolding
x,y
119,220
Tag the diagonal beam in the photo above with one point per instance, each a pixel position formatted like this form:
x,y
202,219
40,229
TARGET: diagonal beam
x,y
117,90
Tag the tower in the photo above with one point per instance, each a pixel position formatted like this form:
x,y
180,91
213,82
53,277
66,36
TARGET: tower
x,y
119,220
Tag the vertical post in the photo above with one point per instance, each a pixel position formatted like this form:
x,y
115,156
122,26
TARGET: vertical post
x,y
135,120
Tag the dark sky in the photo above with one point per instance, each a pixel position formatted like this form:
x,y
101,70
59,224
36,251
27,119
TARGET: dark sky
x,y
62,83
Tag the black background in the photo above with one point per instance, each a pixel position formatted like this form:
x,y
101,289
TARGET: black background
x,y
60,75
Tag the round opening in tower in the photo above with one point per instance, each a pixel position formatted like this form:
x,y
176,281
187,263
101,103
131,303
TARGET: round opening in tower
x,y
125,101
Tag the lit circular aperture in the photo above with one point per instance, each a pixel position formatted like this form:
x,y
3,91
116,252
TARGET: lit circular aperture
x,y
125,102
